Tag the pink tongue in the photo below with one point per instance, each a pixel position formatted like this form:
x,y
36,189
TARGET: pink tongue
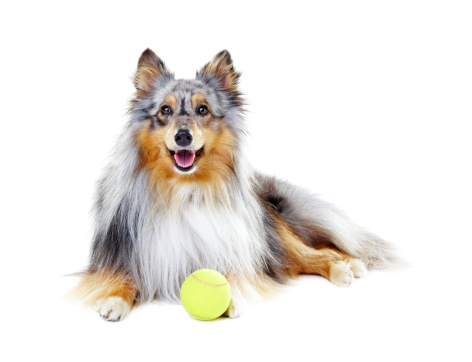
x,y
184,158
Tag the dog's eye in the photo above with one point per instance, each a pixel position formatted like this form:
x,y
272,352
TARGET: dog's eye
x,y
166,110
202,110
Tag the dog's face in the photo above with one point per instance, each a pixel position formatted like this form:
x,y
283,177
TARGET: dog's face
x,y
187,129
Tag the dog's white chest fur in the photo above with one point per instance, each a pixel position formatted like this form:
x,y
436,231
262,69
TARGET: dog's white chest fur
x,y
198,236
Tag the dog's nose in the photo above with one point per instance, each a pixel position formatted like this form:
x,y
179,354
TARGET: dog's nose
x,y
183,137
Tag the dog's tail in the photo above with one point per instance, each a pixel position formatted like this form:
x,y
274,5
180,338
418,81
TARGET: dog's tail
x,y
375,252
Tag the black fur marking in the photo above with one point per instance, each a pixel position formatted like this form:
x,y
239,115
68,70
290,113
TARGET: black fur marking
x,y
275,262
153,124
277,202
143,113
305,227
156,122
182,111
159,122
113,249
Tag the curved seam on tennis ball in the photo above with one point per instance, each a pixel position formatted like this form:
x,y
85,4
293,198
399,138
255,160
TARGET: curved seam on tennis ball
x,y
211,285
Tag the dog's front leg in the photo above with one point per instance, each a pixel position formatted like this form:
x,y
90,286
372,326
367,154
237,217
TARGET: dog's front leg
x,y
113,294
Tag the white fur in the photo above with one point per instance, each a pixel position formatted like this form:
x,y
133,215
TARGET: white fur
x,y
199,233
238,303
341,274
113,308
195,229
219,227
358,268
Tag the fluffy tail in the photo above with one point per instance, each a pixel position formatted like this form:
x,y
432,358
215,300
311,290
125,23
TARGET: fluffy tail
x,y
375,252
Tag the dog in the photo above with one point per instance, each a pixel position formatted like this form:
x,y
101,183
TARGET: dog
x,y
179,195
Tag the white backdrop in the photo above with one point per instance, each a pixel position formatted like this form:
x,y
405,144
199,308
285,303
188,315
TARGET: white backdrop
x,y
367,103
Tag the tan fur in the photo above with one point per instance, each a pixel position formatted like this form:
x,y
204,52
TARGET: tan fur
x,y
304,259
95,286
217,163
214,166
171,100
199,99
221,66
149,68
154,155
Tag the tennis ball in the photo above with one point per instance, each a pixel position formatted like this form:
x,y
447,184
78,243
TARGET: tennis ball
x,y
205,294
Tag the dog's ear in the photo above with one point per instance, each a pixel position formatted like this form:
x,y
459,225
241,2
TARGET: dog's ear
x,y
150,66
221,68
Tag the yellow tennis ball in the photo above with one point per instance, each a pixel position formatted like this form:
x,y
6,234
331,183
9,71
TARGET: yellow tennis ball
x,y
205,294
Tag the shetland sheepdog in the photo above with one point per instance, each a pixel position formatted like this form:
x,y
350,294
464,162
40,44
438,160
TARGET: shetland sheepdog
x,y
179,195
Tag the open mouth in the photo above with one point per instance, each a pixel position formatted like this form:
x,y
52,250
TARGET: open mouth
x,y
184,160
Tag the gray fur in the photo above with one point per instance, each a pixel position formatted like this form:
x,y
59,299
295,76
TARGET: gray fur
x,y
319,223
160,243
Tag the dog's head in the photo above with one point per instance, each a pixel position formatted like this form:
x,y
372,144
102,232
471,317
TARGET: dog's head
x,y
187,130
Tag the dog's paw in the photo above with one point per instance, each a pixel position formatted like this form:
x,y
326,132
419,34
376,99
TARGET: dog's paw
x,y
358,268
113,308
237,306
236,309
341,274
